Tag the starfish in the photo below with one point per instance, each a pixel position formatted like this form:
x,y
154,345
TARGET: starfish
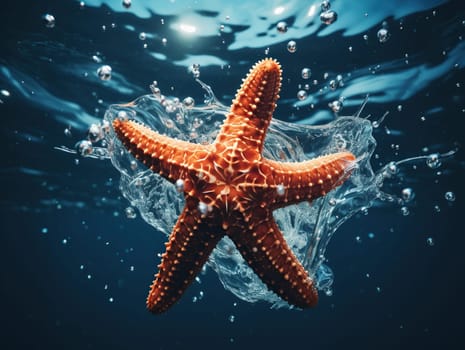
x,y
231,190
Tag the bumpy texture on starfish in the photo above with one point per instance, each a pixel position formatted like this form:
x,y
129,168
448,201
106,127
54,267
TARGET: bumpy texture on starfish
x,y
230,189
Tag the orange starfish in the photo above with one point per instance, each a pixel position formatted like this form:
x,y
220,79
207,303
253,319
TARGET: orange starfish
x,y
231,189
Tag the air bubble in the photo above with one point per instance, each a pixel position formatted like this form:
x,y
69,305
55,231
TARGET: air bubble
x,y
292,46
49,20
325,5
333,85
306,73
302,95
155,89
280,190
194,69
203,208
105,126
142,36
281,27
430,241
127,3
407,194
336,106
84,148
433,161
405,211
383,35
130,213
96,59
179,185
392,168
188,102
449,196
95,133
104,72
231,318
122,116
328,17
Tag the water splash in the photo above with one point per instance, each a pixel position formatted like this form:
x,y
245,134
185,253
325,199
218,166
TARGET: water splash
x,y
306,228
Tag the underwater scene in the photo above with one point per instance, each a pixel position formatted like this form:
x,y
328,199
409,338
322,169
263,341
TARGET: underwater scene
x,y
232,174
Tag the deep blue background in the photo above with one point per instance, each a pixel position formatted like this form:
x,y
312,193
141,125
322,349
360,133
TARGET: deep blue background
x,y
48,301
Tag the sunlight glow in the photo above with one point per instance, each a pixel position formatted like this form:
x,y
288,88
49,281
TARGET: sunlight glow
x,y
187,28
279,10
311,11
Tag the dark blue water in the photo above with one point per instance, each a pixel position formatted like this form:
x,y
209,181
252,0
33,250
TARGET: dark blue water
x,y
76,270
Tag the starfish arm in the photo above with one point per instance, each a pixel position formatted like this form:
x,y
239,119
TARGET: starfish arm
x,y
169,157
253,107
296,182
263,247
189,246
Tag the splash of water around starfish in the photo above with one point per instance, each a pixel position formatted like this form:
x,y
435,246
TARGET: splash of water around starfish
x,y
311,247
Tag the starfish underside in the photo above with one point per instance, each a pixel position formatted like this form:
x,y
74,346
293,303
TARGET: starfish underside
x,y
231,189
